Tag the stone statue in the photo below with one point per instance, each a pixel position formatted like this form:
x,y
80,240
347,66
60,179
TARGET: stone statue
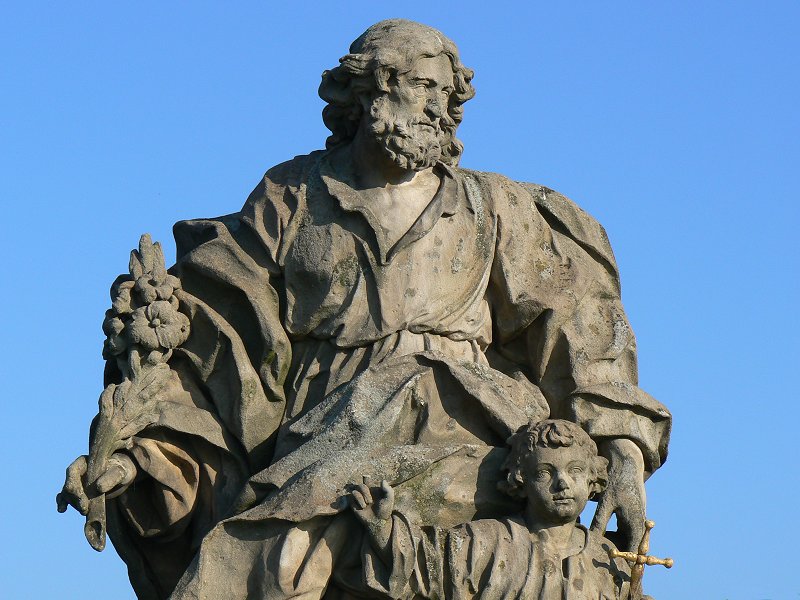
x,y
374,313
554,465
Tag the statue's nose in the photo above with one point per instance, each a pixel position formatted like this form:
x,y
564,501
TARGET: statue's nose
x,y
434,107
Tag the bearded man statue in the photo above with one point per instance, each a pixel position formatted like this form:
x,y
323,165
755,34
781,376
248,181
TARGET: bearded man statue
x,y
374,312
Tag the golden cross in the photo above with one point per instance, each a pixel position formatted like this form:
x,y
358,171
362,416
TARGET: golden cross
x,y
639,559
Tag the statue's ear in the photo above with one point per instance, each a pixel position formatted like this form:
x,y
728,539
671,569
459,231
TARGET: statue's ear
x,y
384,79
513,485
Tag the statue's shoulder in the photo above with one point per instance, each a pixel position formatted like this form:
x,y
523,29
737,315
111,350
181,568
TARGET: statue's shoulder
x,y
281,192
567,217
597,551
547,200
267,209
293,172
270,195
562,214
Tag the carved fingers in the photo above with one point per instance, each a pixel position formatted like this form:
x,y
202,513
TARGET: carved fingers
x,y
119,474
625,495
630,520
385,504
74,491
602,514
377,501
360,497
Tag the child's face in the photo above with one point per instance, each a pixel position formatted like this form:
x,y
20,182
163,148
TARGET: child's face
x,y
557,482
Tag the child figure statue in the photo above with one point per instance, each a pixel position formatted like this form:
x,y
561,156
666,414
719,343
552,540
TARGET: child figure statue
x,y
542,554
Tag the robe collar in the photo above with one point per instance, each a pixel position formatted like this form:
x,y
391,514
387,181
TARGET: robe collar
x,y
446,201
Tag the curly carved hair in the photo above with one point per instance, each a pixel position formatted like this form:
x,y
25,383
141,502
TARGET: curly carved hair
x,y
384,51
552,433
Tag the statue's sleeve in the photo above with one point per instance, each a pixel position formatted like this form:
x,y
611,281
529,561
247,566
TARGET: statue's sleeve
x,y
556,305
221,411
416,565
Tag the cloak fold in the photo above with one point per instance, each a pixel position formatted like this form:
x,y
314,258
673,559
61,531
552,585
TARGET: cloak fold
x,y
312,361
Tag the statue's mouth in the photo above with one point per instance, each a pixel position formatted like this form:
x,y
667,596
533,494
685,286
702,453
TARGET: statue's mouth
x,y
422,122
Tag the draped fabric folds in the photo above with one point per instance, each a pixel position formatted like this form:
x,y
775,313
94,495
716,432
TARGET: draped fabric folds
x,y
317,356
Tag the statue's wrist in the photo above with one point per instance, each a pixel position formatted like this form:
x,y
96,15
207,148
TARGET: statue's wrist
x,y
381,531
621,450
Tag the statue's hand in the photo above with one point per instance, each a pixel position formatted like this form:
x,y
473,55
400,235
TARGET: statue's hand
x,y
371,505
119,474
625,495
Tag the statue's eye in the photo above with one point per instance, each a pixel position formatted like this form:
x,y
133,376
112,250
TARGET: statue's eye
x,y
576,470
420,89
542,475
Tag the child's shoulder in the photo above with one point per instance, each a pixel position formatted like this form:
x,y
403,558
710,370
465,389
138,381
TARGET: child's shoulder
x,y
596,542
598,548
506,527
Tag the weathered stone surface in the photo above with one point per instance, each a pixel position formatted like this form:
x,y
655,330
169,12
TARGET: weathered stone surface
x,y
315,400
539,553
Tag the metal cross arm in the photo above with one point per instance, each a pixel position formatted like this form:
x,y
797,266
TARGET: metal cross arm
x,y
639,559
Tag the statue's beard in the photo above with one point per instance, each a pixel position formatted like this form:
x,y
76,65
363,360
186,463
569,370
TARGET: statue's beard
x,y
412,142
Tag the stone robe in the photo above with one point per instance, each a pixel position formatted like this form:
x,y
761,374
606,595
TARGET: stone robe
x,y
321,353
492,559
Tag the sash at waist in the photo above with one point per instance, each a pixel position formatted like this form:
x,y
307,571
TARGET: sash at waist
x,y
318,366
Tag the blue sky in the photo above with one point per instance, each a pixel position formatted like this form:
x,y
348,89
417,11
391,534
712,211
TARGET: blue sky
x,y
675,124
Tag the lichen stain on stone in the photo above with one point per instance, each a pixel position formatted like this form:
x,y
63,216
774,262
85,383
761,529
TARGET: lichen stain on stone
x,y
249,388
433,255
269,359
345,272
545,269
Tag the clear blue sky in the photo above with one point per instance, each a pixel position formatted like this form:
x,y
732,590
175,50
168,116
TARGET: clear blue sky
x,y
674,123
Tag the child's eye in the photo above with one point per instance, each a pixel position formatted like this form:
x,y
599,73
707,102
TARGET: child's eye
x,y
543,475
576,470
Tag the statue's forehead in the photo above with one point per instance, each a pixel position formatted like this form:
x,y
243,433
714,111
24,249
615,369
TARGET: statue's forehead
x,y
436,68
558,456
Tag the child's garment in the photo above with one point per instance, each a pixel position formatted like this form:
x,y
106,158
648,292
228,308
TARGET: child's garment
x,y
492,559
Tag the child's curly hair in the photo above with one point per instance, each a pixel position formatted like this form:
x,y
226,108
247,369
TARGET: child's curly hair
x,y
552,433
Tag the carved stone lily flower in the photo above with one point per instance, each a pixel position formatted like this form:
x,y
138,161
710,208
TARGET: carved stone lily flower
x,y
151,287
159,325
